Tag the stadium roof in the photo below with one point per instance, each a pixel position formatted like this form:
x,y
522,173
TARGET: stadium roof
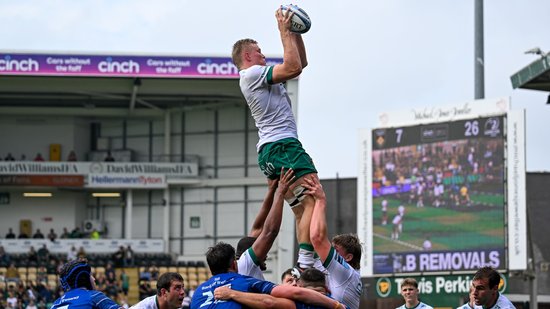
x,y
535,76
89,95
114,85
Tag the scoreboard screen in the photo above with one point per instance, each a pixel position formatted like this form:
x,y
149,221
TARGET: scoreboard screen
x,y
438,196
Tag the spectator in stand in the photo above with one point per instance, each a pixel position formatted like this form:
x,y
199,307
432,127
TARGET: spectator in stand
x,y
72,254
144,289
23,157
94,234
42,274
52,236
100,282
109,270
43,254
12,300
44,294
51,268
10,234
9,157
124,282
128,257
72,156
154,273
75,233
81,253
4,257
12,274
111,288
118,257
38,234
109,157
23,235
145,275
31,305
65,234
39,157
32,255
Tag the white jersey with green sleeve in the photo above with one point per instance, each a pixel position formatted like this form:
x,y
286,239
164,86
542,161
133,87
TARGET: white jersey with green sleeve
x,y
420,305
269,105
344,281
248,265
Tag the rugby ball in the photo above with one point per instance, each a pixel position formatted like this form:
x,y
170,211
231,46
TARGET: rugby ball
x,y
301,23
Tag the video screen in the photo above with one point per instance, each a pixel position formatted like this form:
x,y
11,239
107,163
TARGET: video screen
x,y
438,193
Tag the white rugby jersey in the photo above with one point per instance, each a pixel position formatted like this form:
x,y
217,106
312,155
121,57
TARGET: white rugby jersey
x,y
269,105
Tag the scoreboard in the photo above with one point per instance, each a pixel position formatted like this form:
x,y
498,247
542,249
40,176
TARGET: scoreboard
x,y
434,197
487,127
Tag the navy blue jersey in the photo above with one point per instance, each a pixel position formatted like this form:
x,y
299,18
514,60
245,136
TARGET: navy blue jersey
x,y
85,299
204,294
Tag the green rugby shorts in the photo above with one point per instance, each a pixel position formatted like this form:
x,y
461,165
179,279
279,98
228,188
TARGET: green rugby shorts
x,y
287,153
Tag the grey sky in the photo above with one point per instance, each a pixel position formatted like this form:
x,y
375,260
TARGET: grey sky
x,y
365,56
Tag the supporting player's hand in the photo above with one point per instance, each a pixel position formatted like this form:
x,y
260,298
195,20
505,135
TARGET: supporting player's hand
x,y
285,179
272,184
223,293
314,188
283,19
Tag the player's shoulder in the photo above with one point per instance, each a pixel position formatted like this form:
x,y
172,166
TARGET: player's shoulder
x,y
503,303
146,303
424,306
255,71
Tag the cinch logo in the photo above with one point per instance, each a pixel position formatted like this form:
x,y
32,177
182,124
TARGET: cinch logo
x,y
207,67
110,66
24,65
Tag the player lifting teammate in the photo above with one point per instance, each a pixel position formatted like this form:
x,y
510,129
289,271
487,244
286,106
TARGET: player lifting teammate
x,y
270,106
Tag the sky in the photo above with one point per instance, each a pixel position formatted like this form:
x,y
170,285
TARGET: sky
x,y
365,57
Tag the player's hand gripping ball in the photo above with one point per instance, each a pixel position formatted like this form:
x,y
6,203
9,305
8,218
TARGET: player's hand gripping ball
x,y
301,23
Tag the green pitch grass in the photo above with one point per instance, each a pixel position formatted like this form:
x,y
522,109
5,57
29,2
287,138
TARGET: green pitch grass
x,y
449,228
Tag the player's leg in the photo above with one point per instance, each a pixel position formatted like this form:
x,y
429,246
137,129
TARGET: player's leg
x,y
289,153
303,213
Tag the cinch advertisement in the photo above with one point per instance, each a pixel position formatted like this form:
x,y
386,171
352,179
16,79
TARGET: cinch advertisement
x,y
119,65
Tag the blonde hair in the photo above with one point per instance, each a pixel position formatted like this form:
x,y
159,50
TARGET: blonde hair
x,y
238,48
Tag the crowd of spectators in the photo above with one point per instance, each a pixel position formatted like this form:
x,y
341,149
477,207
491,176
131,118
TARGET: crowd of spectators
x,y
71,157
76,233
38,285
441,174
10,157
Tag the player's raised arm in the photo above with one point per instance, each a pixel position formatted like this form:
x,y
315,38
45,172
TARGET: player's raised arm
x,y
292,65
318,226
272,224
258,224
301,49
